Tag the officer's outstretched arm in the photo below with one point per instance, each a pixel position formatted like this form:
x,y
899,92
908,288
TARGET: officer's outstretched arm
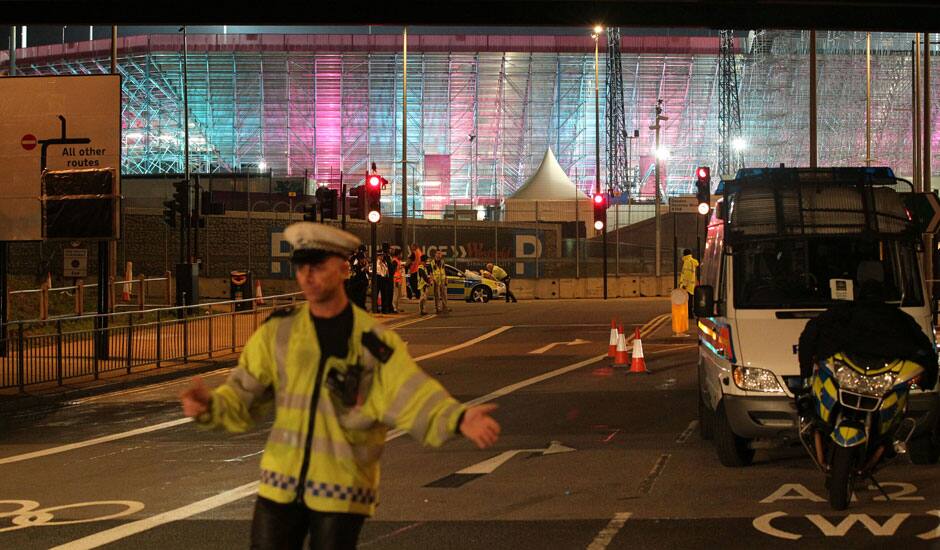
x,y
410,400
233,403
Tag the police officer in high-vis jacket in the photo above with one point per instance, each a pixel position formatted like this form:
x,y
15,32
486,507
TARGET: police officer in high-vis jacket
x,y
330,366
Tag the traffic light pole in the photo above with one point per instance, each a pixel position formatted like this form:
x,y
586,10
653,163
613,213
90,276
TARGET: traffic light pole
x,y
597,157
675,251
375,287
342,201
101,320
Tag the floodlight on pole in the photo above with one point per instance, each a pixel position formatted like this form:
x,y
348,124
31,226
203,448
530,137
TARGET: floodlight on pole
x,y
662,153
738,144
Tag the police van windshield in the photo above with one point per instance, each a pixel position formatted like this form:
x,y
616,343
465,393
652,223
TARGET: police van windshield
x,y
816,272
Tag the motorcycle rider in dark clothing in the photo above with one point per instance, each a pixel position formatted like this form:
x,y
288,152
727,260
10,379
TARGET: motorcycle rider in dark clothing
x,y
867,327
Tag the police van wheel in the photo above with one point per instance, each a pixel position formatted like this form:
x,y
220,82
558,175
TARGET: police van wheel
x,y
706,416
733,451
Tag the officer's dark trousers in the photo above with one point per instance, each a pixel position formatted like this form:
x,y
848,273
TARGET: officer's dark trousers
x,y
387,291
509,294
285,526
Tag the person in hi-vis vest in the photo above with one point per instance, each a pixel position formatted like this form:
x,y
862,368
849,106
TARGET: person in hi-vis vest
x,y
500,275
339,381
687,278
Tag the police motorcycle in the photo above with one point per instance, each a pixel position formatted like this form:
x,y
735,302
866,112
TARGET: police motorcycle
x,y
853,420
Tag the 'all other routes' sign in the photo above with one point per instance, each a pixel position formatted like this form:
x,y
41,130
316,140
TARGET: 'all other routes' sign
x,y
53,123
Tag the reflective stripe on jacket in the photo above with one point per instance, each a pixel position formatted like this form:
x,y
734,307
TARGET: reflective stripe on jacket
x,y
687,277
438,273
283,355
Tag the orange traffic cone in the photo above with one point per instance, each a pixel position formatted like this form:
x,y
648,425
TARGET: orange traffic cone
x,y
637,363
620,356
259,297
614,338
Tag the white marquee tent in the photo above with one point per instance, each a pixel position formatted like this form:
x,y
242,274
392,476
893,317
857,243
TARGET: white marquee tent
x,y
549,196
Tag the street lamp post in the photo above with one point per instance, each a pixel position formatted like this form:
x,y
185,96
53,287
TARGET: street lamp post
x,y
658,154
597,144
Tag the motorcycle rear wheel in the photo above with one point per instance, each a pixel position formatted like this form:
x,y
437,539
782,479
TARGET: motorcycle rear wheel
x,y
840,481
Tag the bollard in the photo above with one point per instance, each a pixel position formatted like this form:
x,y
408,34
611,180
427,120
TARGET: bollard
x,y
680,312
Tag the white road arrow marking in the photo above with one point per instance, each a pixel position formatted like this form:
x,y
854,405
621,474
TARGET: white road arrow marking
x,y
489,465
543,349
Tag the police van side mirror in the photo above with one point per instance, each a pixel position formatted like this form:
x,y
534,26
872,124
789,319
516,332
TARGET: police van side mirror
x,y
704,301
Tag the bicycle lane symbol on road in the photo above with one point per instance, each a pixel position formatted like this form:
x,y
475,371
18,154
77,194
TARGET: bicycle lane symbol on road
x,y
796,491
29,514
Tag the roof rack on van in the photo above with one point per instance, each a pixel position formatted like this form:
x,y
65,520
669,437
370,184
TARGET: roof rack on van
x,y
764,202
852,175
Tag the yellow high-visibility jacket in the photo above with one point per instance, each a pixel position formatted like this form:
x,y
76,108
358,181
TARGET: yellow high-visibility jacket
x,y
423,279
342,454
687,277
438,273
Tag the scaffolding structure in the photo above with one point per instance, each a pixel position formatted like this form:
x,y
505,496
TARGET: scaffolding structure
x,y
729,110
481,115
775,99
617,178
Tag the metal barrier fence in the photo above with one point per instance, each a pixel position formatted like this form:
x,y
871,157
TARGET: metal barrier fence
x,y
45,302
63,349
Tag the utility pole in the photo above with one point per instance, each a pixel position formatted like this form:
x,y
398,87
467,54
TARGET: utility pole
x,y
812,101
656,213
404,141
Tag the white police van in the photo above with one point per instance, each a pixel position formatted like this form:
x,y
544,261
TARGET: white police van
x,y
782,245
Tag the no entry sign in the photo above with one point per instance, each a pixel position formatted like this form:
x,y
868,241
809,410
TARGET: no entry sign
x,y
28,142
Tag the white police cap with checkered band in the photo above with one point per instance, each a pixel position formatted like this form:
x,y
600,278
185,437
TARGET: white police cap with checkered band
x,y
313,242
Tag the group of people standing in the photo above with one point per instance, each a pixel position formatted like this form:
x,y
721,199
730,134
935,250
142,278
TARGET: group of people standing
x,y
426,277
388,277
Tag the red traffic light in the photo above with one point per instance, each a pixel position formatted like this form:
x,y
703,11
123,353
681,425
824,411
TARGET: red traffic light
x,y
599,199
375,181
702,172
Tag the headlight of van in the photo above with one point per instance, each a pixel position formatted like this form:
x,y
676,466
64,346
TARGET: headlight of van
x,y
753,379
851,380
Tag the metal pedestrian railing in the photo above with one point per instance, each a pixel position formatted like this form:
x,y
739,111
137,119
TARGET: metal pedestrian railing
x,y
69,348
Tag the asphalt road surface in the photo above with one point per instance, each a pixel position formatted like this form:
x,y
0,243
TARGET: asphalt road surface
x,y
589,457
